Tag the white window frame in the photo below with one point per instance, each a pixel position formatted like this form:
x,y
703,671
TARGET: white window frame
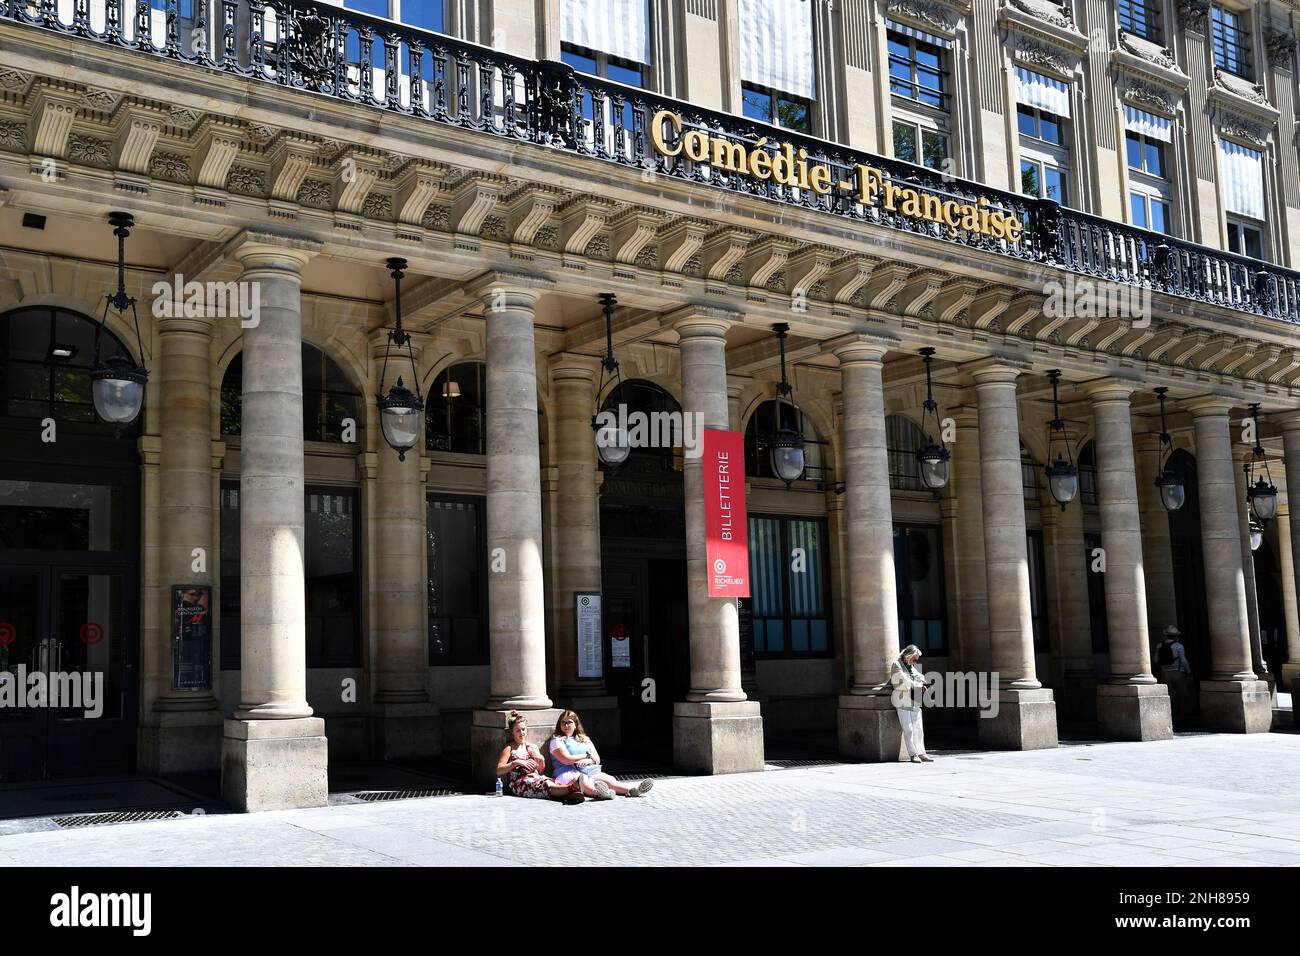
x,y
1150,187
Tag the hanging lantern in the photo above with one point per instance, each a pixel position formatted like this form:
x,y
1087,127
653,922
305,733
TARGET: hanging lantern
x,y
1256,536
1173,490
400,410
1062,475
785,445
117,383
932,457
1261,493
611,438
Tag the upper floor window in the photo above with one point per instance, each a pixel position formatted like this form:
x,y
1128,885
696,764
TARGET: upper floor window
x,y
778,81
602,64
1147,143
1141,17
1241,172
455,410
917,68
1042,117
327,397
903,439
1231,39
914,143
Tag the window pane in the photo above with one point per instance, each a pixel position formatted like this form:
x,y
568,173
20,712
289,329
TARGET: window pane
x,y
1155,159
330,557
1134,144
580,62
1254,243
905,142
799,636
935,148
1055,180
378,8
423,13
757,104
1025,117
1159,216
820,639
628,76
765,567
806,585
1049,128
793,114
775,636
1138,205
1029,178
456,564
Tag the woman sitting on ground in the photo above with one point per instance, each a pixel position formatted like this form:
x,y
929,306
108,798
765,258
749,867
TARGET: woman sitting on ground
x,y
576,761
524,763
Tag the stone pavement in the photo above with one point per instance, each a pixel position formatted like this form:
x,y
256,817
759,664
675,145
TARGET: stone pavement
x,y
1198,800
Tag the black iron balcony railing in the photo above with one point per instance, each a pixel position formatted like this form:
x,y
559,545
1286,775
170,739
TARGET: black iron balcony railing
x,y
375,62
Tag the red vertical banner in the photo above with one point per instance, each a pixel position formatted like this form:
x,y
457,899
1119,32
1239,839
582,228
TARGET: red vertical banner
x,y
726,527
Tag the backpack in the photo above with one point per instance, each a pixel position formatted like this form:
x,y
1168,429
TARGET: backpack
x,y
1165,654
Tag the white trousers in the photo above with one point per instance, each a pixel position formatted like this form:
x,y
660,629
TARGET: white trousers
x,y
913,732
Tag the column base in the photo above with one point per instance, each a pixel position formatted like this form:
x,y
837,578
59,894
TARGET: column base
x,y
180,742
404,731
1290,677
487,735
717,738
869,728
1024,720
1236,706
1134,712
601,718
275,764
1079,696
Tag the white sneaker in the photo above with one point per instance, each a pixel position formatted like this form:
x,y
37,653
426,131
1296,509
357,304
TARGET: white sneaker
x,y
641,789
602,790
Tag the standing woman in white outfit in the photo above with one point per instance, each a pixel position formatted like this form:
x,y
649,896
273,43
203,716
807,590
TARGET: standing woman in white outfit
x,y
905,679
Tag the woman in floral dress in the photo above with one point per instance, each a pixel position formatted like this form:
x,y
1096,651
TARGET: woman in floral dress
x,y
522,764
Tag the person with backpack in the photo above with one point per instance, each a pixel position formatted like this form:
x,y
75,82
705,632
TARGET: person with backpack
x,y
1175,670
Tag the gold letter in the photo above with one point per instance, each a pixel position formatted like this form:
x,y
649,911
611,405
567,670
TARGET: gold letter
x,y
657,132
819,179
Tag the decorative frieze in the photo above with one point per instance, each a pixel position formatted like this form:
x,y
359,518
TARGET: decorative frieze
x,y
931,13
13,135
315,193
171,167
245,181
1053,13
1241,128
89,151
1150,96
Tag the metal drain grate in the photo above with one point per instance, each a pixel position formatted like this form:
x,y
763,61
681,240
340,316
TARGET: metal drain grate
x,y
374,796
804,762
121,816
620,777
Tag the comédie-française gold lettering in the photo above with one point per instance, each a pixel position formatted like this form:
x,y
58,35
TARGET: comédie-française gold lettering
x,y
790,167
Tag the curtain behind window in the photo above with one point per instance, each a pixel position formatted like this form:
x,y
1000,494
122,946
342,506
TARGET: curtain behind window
x,y
616,27
776,45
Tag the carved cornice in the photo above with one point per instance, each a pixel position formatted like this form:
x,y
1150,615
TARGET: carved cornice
x,y
1150,96
936,15
1052,43
1146,50
1054,13
1238,127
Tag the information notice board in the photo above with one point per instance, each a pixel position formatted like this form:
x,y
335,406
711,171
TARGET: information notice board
x,y
192,637
590,650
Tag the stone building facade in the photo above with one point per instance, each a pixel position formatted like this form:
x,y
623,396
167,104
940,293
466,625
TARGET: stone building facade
x,y
1106,190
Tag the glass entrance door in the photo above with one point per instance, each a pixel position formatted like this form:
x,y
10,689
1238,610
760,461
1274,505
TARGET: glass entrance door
x,y
67,706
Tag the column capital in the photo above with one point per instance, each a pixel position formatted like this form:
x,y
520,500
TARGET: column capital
x,y
700,320
1109,390
269,252
570,366
995,370
860,347
185,325
1208,406
500,289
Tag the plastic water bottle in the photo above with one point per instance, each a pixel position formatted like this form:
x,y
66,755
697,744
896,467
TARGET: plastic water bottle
x,y
499,790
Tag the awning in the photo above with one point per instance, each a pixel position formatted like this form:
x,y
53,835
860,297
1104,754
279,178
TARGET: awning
x,y
776,45
916,34
1148,124
1042,92
615,27
1242,174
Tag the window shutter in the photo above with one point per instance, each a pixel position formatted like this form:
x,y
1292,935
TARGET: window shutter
x,y
1242,170
1042,92
776,45
615,27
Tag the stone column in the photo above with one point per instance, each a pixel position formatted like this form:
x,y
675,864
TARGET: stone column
x,y
716,729
274,750
1026,715
970,625
1131,704
869,728
1241,457
1157,552
404,722
181,729
1233,699
575,533
1068,611
1290,608
516,589
1290,424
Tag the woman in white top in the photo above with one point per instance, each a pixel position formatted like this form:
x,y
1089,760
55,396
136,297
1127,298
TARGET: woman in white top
x,y
906,680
